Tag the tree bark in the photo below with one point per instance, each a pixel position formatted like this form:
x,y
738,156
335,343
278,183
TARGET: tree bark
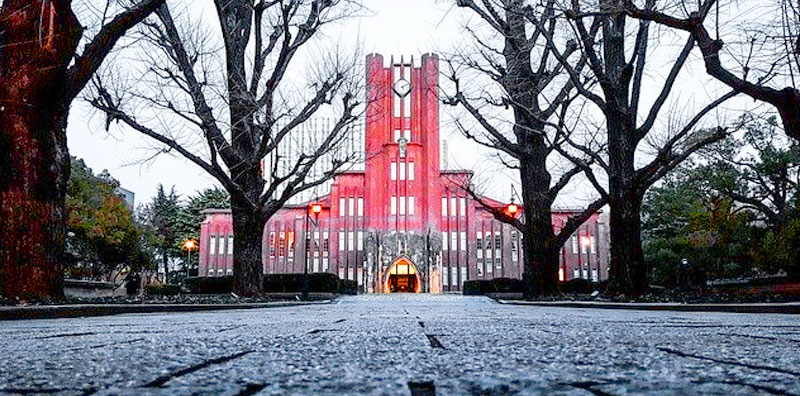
x,y
540,271
248,227
33,146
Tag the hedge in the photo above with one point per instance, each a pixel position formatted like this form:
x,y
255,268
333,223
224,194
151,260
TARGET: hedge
x,y
275,283
496,285
162,290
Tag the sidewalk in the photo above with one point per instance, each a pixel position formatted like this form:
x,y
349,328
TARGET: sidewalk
x,y
782,308
86,310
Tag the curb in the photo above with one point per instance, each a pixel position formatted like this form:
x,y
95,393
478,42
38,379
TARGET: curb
x,y
78,311
780,308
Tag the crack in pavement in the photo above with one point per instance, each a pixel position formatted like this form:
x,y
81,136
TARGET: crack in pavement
x,y
731,362
434,341
106,345
589,386
160,381
425,388
339,321
66,335
251,389
421,324
760,388
315,331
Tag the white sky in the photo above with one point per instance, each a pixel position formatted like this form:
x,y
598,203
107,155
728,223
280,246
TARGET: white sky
x,y
391,27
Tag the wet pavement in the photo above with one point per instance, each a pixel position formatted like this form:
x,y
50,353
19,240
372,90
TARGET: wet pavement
x,y
404,345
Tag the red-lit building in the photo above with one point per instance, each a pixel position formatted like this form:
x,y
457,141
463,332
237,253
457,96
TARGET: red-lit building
x,y
402,223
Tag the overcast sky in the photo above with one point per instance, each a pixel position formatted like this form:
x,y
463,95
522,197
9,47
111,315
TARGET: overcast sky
x,y
389,27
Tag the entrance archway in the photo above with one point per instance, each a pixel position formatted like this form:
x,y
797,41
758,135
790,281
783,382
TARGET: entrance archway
x,y
402,277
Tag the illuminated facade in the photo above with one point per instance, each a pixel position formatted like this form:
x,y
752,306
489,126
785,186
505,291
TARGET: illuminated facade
x,y
402,223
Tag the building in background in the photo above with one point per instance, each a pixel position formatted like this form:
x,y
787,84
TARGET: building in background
x,y
400,222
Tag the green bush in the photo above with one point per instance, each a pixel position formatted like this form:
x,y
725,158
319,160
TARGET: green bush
x,y
348,287
481,287
317,283
162,290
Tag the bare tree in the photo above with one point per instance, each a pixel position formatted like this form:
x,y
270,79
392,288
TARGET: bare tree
x,y
531,84
40,75
787,40
257,91
621,83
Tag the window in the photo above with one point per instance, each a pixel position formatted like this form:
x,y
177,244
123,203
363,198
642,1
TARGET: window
x,y
402,171
230,244
393,171
222,245
211,272
498,262
326,243
220,272
498,241
463,240
463,273
445,276
479,245
230,271
393,205
316,264
316,243
576,274
574,244
290,243
360,277
341,241
350,241
480,267
341,272
410,171
325,264
462,203
444,206
453,206
282,244
402,205
342,207
592,244
411,205
360,240
212,245
361,206
454,240
352,202
444,240
594,275
454,277
514,246
272,244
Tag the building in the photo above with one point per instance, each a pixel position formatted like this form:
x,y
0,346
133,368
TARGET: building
x,y
402,223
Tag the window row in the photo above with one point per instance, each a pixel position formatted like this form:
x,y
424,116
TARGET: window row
x,y
402,205
355,206
457,207
212,244
354,241
450,240
486,267
578,274
401,171
450,276
219,272
587,244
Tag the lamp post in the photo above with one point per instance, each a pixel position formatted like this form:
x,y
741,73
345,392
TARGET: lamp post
x,y
315,209
189,245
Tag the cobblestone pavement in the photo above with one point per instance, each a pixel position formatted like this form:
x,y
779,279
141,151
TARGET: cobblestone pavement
x,y
405,345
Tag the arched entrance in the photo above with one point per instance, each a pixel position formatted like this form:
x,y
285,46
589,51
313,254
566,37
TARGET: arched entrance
x,y
402,277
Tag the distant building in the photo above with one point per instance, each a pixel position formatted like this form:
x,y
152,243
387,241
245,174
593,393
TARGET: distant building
x,y
128,196
402,223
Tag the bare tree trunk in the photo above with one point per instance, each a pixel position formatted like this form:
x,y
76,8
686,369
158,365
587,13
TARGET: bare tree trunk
x,y
247,250
628,271
33,149
540,268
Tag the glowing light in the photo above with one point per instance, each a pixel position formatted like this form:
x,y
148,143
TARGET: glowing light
x,y
316,208
190,244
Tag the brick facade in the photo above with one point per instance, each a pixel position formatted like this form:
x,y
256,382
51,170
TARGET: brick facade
x,y
402,214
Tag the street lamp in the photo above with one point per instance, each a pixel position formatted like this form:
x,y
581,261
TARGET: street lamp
x,y
314,208
188,245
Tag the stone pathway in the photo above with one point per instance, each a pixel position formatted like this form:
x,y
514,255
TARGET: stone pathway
x,y
404,345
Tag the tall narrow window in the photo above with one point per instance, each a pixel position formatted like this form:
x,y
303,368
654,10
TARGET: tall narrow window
x,y
290,243
402,170
222,245
281,244
410,171
463,240
407,132
445,276
592,244
444,206
212,245
272,244
393,205
402,205
574,240
393,171
453,206
360,207
454,240
462,203
230,244
360,242
326,243
444,240
341,241
342,207
352,206
350,241
411,205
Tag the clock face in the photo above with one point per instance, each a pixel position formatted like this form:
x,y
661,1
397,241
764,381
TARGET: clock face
x,y
402,87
